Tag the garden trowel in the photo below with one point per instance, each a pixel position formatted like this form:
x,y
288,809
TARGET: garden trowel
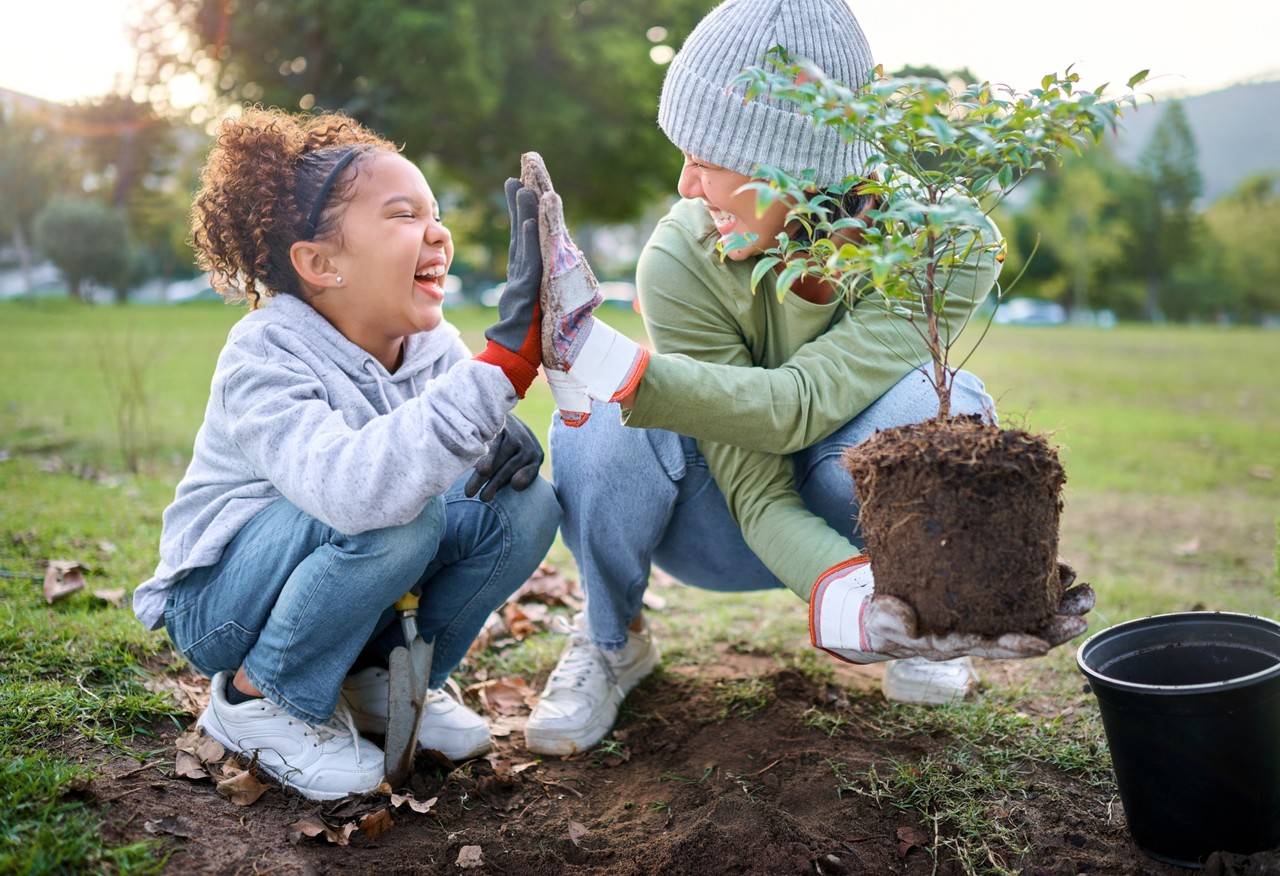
x,y
409,665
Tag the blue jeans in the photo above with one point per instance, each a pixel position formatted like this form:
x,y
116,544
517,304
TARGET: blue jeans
x,y
636,496
295,602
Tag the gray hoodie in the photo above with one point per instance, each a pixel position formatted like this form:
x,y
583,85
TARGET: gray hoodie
x,y
297,410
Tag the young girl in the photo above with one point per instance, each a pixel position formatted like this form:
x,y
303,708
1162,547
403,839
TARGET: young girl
x,y
330,474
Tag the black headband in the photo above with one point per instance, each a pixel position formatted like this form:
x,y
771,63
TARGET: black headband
x,y
325,188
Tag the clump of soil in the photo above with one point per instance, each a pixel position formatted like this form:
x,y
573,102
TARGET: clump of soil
x,y
960,519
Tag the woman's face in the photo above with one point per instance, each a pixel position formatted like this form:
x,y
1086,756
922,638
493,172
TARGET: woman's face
x,y
733,211
395,251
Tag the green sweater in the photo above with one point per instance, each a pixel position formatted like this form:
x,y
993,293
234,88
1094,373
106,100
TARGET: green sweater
x,y
755,379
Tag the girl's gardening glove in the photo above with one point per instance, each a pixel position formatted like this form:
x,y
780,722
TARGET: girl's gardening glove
x,y
584,358
514,458
515,339
848,621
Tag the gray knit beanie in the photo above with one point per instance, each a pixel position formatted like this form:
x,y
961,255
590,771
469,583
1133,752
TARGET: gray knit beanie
x,y
700,112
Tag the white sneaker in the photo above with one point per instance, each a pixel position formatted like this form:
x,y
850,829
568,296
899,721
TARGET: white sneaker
x,y
917,680
580,700
320,761
448,726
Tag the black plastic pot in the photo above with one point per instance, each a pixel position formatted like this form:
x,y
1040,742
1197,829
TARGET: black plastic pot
x,y
1191,707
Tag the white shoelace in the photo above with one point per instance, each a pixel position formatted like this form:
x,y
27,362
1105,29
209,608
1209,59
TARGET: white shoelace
x,y
340,724
580,660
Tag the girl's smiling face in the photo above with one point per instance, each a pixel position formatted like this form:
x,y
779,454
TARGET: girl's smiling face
x,y
732,210
392,253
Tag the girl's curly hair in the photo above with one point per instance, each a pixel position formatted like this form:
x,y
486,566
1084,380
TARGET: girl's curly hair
x,y
257,188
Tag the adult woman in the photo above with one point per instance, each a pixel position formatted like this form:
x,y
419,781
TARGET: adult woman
x,y
734,481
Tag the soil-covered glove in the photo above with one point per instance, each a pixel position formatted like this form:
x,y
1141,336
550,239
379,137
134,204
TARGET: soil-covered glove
x,y
514,458
848,621
584,358
515,339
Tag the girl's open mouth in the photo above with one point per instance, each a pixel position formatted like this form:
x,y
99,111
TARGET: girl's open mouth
x,y
430,281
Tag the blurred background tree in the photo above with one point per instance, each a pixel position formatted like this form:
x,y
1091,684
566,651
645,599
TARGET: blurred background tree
x,y
1078,213
1158,226
33,167
1245,239
86,239
1161,200
466,87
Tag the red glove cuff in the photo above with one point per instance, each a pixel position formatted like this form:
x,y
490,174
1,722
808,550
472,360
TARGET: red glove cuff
x,y
518,369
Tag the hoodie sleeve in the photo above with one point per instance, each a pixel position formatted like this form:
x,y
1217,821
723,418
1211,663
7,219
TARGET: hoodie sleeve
x,y
373,477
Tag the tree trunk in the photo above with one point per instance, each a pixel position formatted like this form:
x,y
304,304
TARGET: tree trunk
x,y
1079,301
122,294
1154,313
24,257
935,340
73,287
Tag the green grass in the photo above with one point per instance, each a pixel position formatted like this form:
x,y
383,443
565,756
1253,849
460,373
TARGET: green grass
x,y
1166,435
969,790
743,697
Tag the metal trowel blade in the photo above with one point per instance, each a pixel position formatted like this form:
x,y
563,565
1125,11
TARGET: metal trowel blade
x,y
402,718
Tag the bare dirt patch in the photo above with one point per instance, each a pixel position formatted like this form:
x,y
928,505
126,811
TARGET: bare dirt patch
x,y
690,785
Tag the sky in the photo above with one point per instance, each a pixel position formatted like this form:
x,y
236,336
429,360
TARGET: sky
x,y
68,49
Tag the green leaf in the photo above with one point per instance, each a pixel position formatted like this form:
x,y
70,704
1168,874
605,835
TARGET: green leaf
x,y
787,279
762,267
1138,77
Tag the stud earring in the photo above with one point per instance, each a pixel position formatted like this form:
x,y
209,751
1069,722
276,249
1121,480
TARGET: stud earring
x,y
339,279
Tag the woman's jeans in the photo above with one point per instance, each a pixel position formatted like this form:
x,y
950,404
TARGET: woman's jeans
x,y
636,496
294,601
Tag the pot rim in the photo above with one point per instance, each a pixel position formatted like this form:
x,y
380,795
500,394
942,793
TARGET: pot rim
x,y
1174,689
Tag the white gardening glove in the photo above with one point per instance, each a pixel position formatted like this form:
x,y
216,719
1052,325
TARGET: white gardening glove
x,y
584,358
570,396
848,621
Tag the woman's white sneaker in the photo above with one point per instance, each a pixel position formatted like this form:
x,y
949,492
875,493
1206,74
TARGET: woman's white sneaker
x,y
580,701
448,726
320,761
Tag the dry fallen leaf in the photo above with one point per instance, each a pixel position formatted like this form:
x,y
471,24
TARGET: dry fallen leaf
x,y
547,585
61,579
209,750
524,620
188,766
517,769
308,826
242,789
113,595
173,825
205,749
493,628
1262,472
1188,548
509,695
191,696
577,831
376,822
188,740
910,838
420,806
470,857
107,547
312,826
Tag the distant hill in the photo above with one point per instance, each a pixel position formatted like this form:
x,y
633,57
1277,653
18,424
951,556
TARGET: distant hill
x,y
1237,132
